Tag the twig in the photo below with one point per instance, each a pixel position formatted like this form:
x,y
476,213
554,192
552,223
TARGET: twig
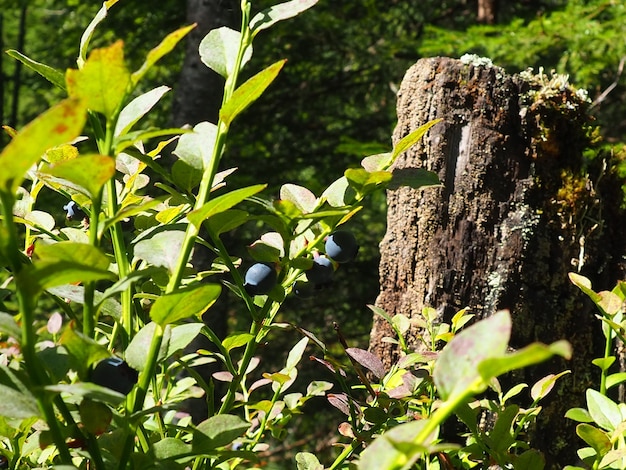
x,y
611,87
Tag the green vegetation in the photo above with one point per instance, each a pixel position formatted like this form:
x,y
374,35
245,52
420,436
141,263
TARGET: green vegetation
x,y
97,384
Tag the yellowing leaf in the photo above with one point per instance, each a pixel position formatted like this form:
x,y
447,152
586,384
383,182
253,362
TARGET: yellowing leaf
x,y
90,172
103,80
59,125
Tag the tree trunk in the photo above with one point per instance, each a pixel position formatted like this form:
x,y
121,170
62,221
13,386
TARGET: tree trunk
x,y
487,11
197,98
198,95
515,214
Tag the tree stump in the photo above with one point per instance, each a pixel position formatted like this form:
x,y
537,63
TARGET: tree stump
x,y
518,209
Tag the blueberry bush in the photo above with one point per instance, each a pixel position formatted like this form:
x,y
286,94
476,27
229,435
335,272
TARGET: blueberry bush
x,y
100,382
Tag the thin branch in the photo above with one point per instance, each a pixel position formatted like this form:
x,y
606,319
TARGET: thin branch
x,y
612,86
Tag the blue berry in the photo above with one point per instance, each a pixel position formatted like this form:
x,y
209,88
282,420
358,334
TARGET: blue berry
x,y
322,270
260,279
341,246
115,374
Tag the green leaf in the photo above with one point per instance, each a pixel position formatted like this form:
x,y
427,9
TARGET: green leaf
x,y
249,91
18,405
9,326
411,139
217,431
603,410
226,221
270,16
308,461
170,448
182,336
66,263
615,379
604,362
579,414
83,351
88,33
395,449
164,48
59,125
545,385
339,193
90,172
223,203
88,390
528,356
377,162
500,437
295,355
304,199
456,369
161,248
532,459
196,148
183,304
185,177
593,436
363,181
136,354
584,285
102,82
53,75
137,108
219,49
94,416
236,340
415,178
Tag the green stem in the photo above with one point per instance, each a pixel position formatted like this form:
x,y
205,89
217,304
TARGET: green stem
x,y
607,352
89,309
25,297
347,452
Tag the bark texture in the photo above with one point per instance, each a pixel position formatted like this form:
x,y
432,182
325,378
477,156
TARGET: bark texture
x,y
198,94
515,214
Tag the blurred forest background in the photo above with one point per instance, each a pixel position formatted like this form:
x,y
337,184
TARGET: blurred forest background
x,y
335,100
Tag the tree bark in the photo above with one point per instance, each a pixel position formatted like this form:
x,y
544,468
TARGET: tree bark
x,y
197,98
198,94
515,214
487,11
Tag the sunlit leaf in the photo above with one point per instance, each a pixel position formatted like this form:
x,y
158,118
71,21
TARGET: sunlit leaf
x,y
219,49
249,92
223,203
302,197
593,436
89,30
186,303
88,390
53,75
411,139
272,15
217,431
136,354
103,81
164,47
236,340
161,248
65,263
137,108
18,405
57,126
456,370
90,172
196,148
603,410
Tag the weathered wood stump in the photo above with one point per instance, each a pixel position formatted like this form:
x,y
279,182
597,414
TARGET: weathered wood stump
x,y
519,208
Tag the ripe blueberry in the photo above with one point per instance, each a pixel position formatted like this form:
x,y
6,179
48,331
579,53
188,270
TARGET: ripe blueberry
x,y
260,279
322,270
341,246
115,374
